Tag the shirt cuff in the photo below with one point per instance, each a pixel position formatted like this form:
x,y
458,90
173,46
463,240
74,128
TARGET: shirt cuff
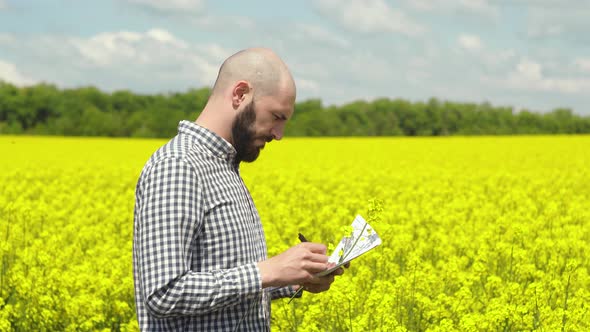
x,y
281,292
251,278
242,280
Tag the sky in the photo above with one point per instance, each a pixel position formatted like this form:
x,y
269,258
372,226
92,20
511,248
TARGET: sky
x,y
524,54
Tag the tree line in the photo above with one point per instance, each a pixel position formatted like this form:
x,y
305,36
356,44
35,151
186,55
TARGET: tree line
x,y
44,109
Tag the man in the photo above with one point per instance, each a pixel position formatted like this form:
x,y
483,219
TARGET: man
x,y
199,252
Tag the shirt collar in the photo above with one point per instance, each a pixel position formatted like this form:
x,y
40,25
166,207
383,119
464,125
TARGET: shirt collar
x,y
208,139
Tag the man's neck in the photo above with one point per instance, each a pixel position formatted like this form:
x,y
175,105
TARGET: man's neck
x,y
216,121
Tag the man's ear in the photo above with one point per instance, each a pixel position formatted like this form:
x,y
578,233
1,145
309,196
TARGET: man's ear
x,y
240,92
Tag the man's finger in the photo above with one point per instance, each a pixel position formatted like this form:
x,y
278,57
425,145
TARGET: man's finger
x,y
317,248
314,267
318,258
338,272
317,288
321,280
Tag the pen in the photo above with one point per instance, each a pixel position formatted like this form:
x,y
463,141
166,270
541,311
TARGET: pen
x,y
302,238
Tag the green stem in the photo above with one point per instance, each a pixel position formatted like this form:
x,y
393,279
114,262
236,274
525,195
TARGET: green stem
x,y
346,254
296,293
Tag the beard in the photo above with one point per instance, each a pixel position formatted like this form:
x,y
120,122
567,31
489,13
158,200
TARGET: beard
x,y
244,135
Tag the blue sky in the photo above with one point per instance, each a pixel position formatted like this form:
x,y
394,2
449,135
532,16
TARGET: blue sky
x,y
532,54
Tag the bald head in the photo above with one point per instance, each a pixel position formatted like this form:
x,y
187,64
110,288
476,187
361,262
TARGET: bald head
x,y
260,67
253,85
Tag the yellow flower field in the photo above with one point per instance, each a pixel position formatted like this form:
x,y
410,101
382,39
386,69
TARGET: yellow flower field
x,y
479,233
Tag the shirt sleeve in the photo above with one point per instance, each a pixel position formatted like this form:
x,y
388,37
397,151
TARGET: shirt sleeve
x,y
281,292
170,215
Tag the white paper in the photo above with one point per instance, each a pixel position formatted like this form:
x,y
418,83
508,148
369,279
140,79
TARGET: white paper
x,y
363,239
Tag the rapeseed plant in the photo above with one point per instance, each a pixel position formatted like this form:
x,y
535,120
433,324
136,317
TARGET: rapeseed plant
x,y
486,233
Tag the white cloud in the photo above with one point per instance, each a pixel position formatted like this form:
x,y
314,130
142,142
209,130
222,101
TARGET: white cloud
x,y
481,56
6,38
2,4
156,52
166,37
10,73
499,57
216,52
558,19
219,23
583,64
178,6
339,77
365,66
154,60
528,70
308,85
108,48
315,33
369,16
528,75
480,7
205,69
544,24
419,62
422,4
303,65
470,42
150,48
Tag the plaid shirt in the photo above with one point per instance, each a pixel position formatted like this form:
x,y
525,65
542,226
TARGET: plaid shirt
x,y
197,240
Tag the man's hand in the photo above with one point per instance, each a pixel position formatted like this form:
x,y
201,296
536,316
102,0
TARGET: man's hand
x,y
297,265
321,284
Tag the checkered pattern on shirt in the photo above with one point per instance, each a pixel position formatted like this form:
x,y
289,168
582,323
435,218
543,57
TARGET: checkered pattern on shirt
x,y
197,240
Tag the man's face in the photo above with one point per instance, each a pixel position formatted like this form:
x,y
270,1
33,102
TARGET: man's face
x,y
260,122
246,141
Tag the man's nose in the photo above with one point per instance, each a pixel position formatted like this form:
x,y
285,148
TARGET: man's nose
x,y
277,132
